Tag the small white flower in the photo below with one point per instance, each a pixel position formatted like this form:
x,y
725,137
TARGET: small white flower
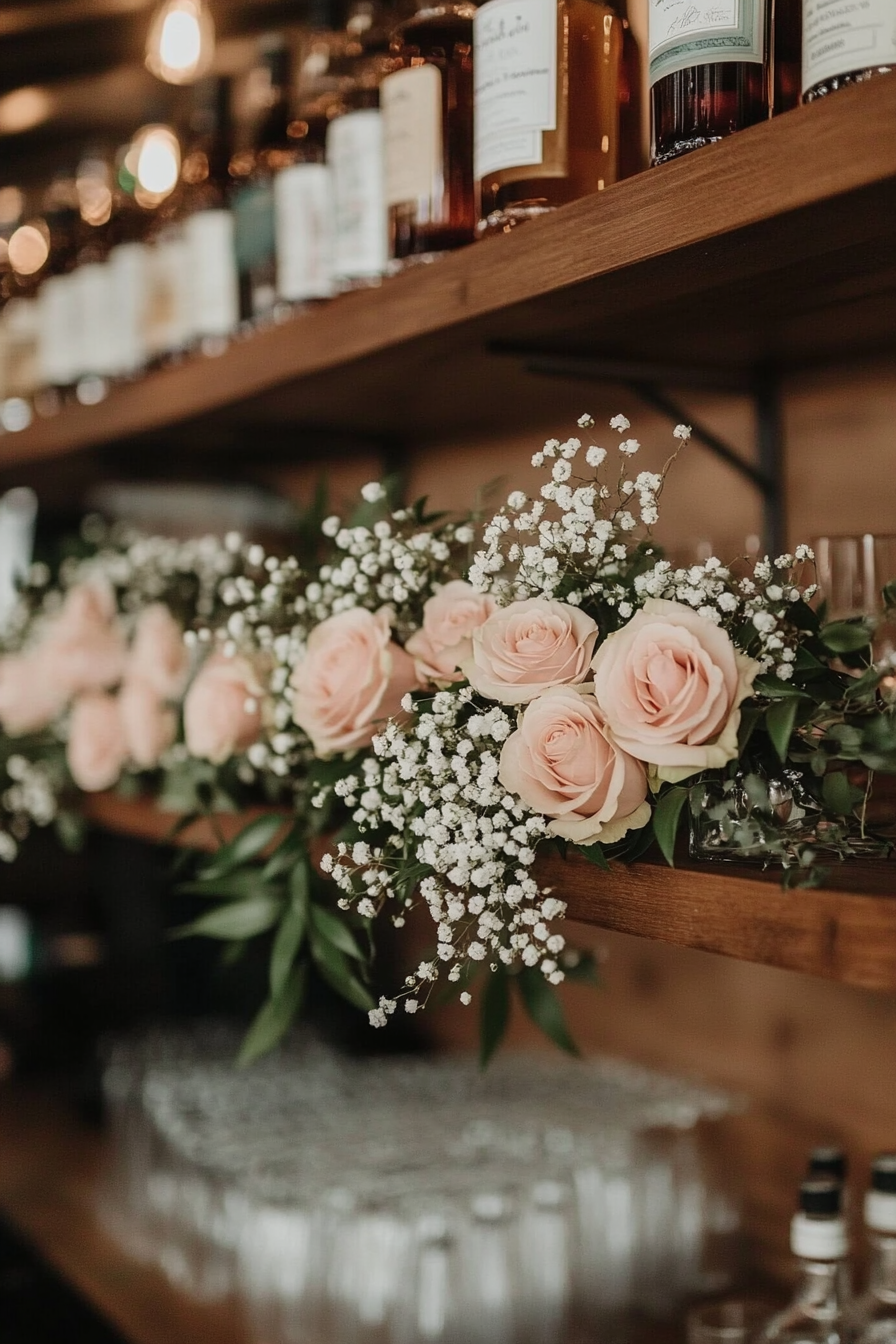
x,y
585,421
629,447
373,492
466,998
330,526
682,432
620,423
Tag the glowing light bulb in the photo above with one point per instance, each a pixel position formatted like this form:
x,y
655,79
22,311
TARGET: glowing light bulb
x,y
28,249
181,42
156,158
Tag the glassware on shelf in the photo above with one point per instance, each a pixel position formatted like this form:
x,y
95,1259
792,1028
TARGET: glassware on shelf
x,y
819,1240
731,1321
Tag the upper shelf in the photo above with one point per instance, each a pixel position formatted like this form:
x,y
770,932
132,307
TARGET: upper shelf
x,y
773,246
846,932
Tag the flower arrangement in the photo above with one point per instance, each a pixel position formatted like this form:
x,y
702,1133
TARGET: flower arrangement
x,y
436,717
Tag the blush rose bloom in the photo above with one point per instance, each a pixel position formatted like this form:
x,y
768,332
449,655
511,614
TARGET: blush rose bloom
x,y
30,699
148,724
670,683
84,642
563,763
158,653
352,675
529,646
223,708
449,619
96,749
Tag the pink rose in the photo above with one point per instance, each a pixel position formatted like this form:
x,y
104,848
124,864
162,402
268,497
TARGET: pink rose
x,y
148,724
562,762
97,749
525,648
158,653
449,619
670,683
222,709
29,696
351,676
85,642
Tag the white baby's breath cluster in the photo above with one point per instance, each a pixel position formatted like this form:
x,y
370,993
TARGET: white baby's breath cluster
x,y
31,799
432,789
572,540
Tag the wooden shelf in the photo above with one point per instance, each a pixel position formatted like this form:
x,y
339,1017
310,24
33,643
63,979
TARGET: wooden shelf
x,y
845,932
776,245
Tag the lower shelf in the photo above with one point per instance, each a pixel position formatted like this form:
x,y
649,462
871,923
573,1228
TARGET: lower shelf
x,y
844,932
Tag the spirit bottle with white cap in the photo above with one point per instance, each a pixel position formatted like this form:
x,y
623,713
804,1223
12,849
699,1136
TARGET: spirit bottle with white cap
x,y
872,1318
818,1239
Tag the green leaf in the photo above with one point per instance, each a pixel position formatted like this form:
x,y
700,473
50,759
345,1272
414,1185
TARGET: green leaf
x,y
246,846
775,689
291,933
243,919
236,887
749,718
274,1017
329,927
595,854
544,1008
779,721
666,816
71,831
338,973
494,1014
839,795
846,636
287,853
888,593
584,971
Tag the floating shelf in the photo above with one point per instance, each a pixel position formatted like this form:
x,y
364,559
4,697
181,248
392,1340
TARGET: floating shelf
x,y
845,932
775,246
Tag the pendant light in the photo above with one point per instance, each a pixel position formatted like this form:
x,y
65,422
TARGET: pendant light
x,y
181,43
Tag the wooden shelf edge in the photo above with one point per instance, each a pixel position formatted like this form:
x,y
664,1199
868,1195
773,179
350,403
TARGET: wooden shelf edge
x,y
846,932
834,147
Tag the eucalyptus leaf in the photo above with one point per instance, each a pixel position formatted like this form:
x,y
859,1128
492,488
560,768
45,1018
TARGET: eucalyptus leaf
x,y
287,942
338,973
846,636
838,794
545,1009
274,1017
779,721
494,1014
236,887
330,928
595,854
248,845
290,849
239,919
666,816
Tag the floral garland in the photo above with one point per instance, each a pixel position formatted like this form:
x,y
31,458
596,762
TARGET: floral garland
x,y
447,715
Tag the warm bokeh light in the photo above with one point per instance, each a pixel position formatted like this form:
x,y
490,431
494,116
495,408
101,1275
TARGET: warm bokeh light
x,y
24,109
181,42
94,192
155,154
28,249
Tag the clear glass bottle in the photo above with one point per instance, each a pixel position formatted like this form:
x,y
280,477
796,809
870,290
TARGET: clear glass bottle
x,y
697,98
557,105
129,266
94,341
57,298
428,114
827,1164
818,1239
208,218
872,1318
846,44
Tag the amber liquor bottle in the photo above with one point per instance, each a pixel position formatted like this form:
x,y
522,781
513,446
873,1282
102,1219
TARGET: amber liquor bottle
x,y
557,105
846,44
428,133
709,71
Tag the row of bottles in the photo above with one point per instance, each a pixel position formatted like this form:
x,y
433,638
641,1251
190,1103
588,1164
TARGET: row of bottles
x,y
823,1309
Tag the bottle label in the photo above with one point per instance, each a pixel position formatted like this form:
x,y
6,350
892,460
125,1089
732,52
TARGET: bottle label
x,y
516,82
213,279
130,279
682,33
355,156
56,331
411,102
168,314
840,36
95,351
304,226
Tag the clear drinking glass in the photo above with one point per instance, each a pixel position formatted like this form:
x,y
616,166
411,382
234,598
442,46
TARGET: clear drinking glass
x,y
734,1321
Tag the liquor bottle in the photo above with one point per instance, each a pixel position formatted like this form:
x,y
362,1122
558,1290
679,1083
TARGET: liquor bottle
x,y
872,1317
709,72
129,268
94,351
827,1164
355,153
208,220
818,1239
556,103
787,43
428,132
58,297
277,145
846,44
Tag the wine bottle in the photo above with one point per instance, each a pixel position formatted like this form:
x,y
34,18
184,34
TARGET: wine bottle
x,y
846,44
209,222
58,298
95,354
709,72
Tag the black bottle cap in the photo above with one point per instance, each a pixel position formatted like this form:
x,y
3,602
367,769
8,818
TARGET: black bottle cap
x,y
830,1163
883,1173
820,1199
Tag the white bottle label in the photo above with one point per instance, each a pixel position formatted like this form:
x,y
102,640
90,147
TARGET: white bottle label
x,y
129,264
682,33
355,155
213,278
95,347
57,334
169,316
516,82
411,102
303,225
840,36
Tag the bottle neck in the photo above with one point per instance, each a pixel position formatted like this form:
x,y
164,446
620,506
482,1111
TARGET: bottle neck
x,y
823,1287
882,1272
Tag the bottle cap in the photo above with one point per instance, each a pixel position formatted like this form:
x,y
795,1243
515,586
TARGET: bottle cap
x,y
880,1201
828,1162
818,1232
